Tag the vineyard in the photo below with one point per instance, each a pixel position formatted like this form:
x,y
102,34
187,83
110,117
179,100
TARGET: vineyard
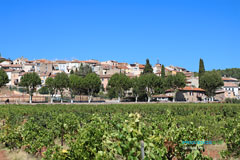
x,y
124,131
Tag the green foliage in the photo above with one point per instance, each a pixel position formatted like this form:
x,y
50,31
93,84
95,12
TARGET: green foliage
x,y
75,84
115,131
201,71
232,100
137,87
119,83
230,72
148,67
61,82
83,70
210,81
150,82
3,78
175,81
231,132
51,85
163,71
43,90
30,81
92,84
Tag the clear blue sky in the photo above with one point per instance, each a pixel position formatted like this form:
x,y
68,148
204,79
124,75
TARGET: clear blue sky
x,y
176,32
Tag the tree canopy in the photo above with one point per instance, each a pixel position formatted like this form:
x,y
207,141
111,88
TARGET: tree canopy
x,y
119,83
83,70
148,67
75,85
61,83
92,84
210,82
163,71
137,87
30,81
149,82
3,78
201,71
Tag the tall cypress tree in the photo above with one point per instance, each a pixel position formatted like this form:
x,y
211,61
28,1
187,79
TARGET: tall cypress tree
x,y
201,71
163,71
148,67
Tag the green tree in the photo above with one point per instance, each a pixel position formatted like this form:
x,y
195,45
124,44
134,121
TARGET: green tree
x,y
148,67
43,90
137,88
118,84
75,85
201,71
62,83
71,72
163,71
149,82
3,78
30,81
175,82
210,82
83,70
92,84
51,85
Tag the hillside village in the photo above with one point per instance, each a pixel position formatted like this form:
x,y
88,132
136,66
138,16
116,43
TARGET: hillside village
x,y
15,69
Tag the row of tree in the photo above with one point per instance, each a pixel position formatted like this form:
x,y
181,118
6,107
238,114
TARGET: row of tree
x,y
84,81
148,83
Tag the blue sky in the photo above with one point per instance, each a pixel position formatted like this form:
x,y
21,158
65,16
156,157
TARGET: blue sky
x,y
176,32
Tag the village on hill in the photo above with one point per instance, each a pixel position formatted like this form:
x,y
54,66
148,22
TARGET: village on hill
x,y
191,92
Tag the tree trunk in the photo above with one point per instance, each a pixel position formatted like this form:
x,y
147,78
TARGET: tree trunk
x,y
30,98
61,98
136,99
51,99
149,99
89,98
119,99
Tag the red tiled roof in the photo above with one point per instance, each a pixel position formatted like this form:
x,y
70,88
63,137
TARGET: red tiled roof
x,y
192,89
141,66
8,70
61,61
122,67
229,79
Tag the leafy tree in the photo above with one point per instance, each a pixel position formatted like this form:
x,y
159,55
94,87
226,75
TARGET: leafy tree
x,y
210,82
137,88
30,81
43,90
149,82
201,71
51,85
92,84
3,78
163,71
75,85
61,82
175,82
83,70
148,67
118,84
230,72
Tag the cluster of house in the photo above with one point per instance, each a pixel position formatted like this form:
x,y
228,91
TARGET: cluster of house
x,y
45,68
